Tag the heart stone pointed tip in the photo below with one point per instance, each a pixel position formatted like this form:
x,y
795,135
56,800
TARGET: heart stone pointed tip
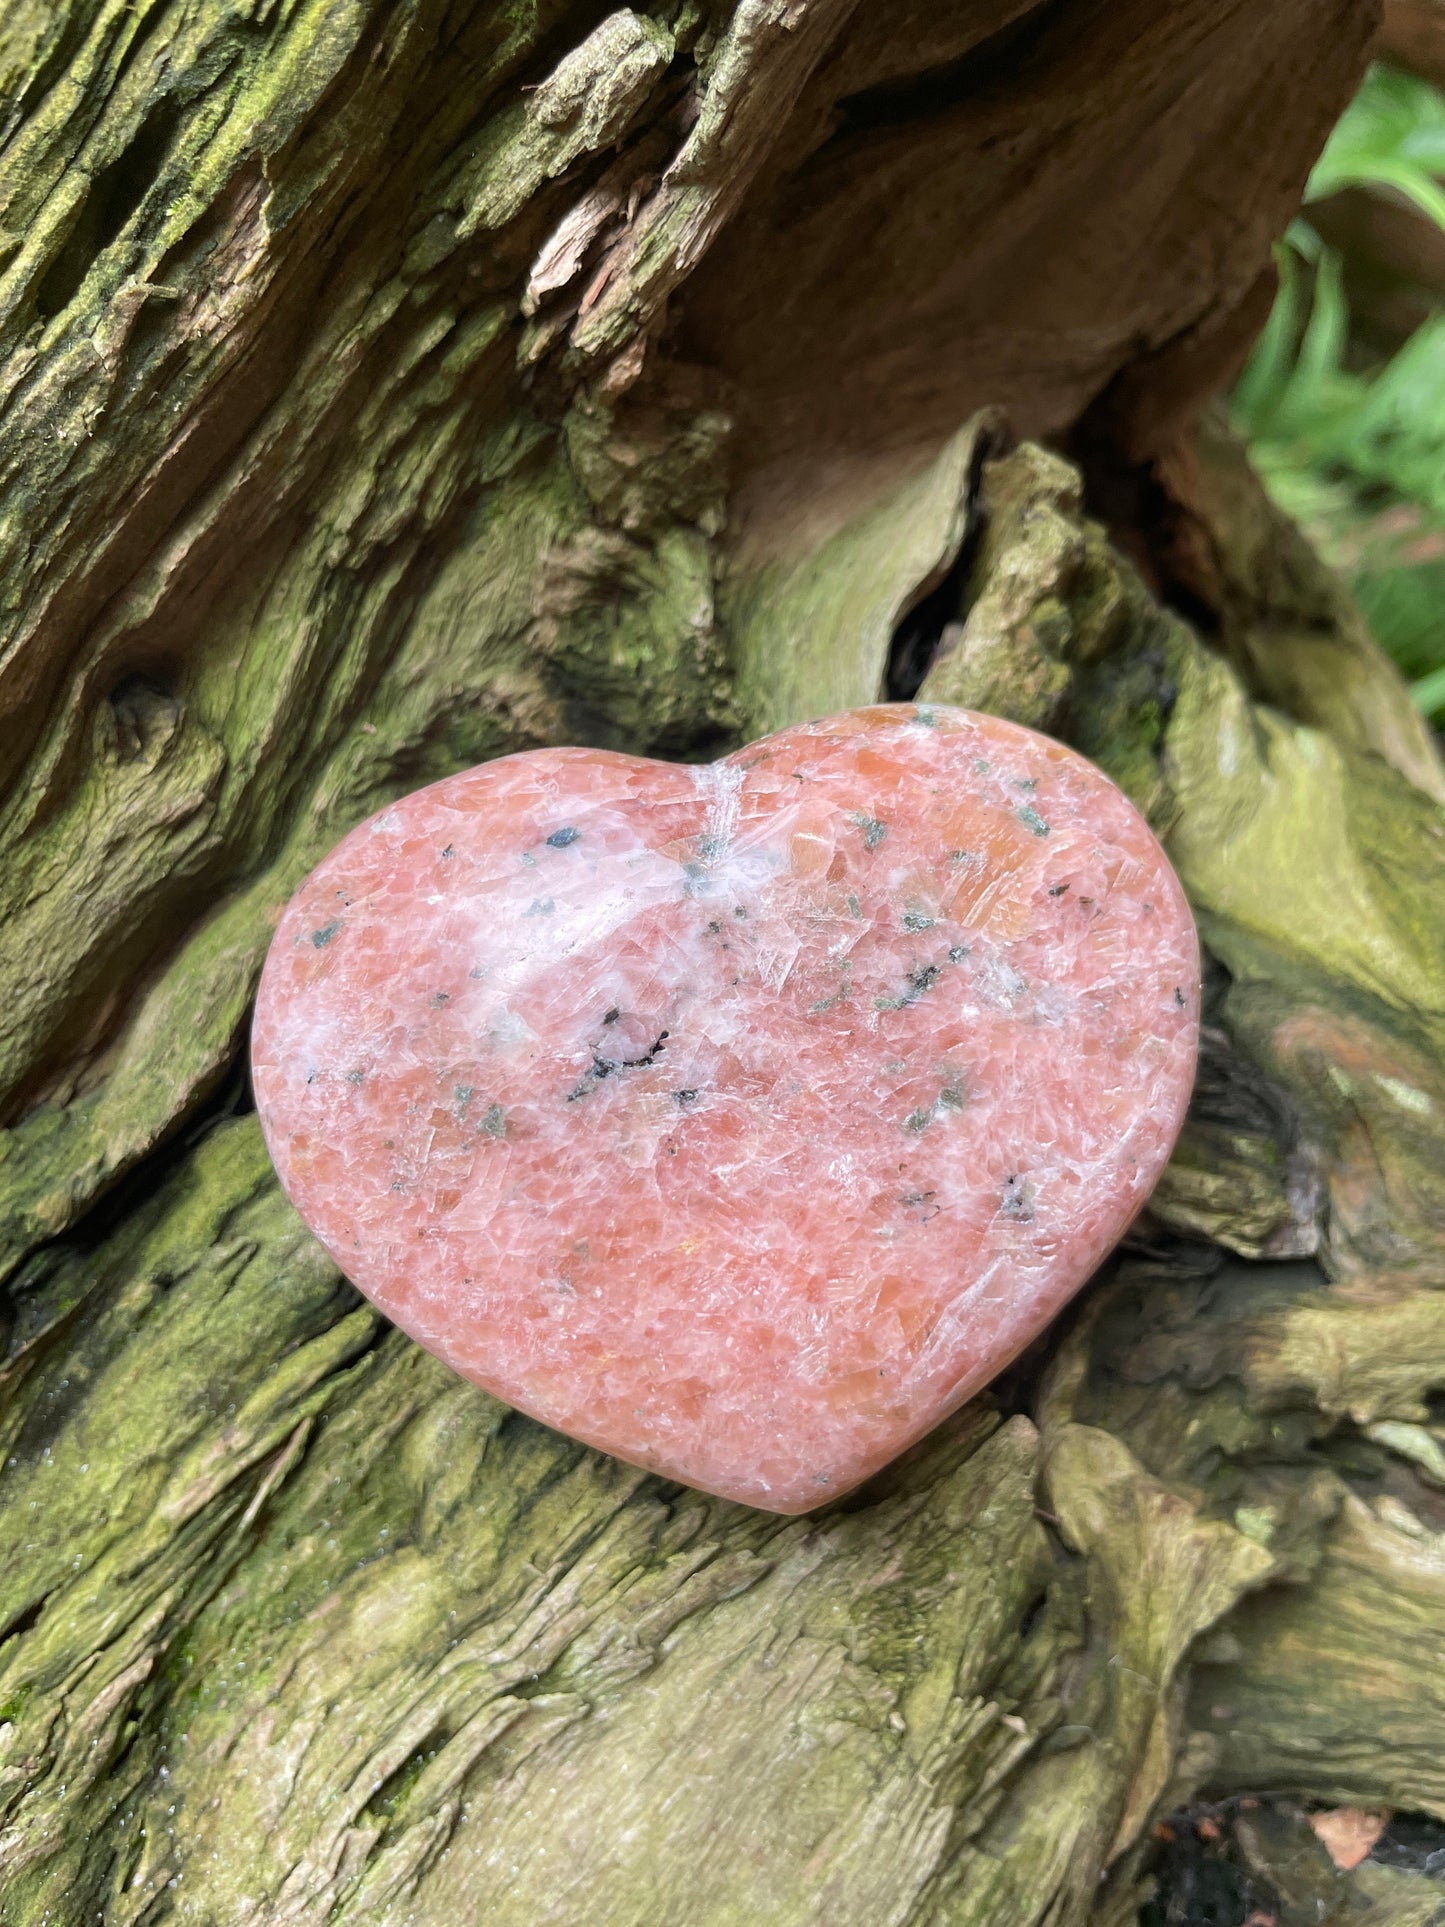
x,y
740,1121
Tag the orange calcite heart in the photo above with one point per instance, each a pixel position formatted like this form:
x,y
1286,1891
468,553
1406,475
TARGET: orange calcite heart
x,y
742,1120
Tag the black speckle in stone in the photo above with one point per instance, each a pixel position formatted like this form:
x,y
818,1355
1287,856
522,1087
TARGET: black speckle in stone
x,y
714,929
355,1077
441,997
952,1098
740,911
916,920
323,936
1031,818
958,953
562,839
1179,997
919,982
1018,1202
612,1015
605,1066
1058,889
495,1122
873,831
685,1097
917,1122
450,850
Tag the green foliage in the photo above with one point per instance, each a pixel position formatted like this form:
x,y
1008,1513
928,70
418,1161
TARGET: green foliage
x,y
1357,453
1392,135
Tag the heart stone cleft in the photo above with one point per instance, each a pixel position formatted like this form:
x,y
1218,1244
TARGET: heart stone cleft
x,y
741,1120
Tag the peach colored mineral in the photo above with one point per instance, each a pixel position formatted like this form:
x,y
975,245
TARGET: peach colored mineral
x,y
738,1120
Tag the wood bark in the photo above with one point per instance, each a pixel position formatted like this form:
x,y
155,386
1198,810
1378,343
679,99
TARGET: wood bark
x,y
1413,36
391,384
1393,255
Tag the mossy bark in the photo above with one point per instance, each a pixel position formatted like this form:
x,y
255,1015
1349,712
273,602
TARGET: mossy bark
x,y
390,384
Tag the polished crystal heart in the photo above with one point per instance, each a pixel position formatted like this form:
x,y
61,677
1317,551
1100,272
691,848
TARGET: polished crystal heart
x,y
740,1121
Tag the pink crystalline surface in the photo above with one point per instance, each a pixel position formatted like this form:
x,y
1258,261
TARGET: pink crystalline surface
x,y
739,1120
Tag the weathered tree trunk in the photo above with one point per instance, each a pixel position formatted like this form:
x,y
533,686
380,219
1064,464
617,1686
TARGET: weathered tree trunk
x,y
389,384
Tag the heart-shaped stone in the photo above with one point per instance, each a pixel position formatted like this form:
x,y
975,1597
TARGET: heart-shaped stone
x,y
738,1120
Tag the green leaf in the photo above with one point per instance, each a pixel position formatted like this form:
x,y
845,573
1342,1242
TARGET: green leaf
x,y
1391,135
1357,453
